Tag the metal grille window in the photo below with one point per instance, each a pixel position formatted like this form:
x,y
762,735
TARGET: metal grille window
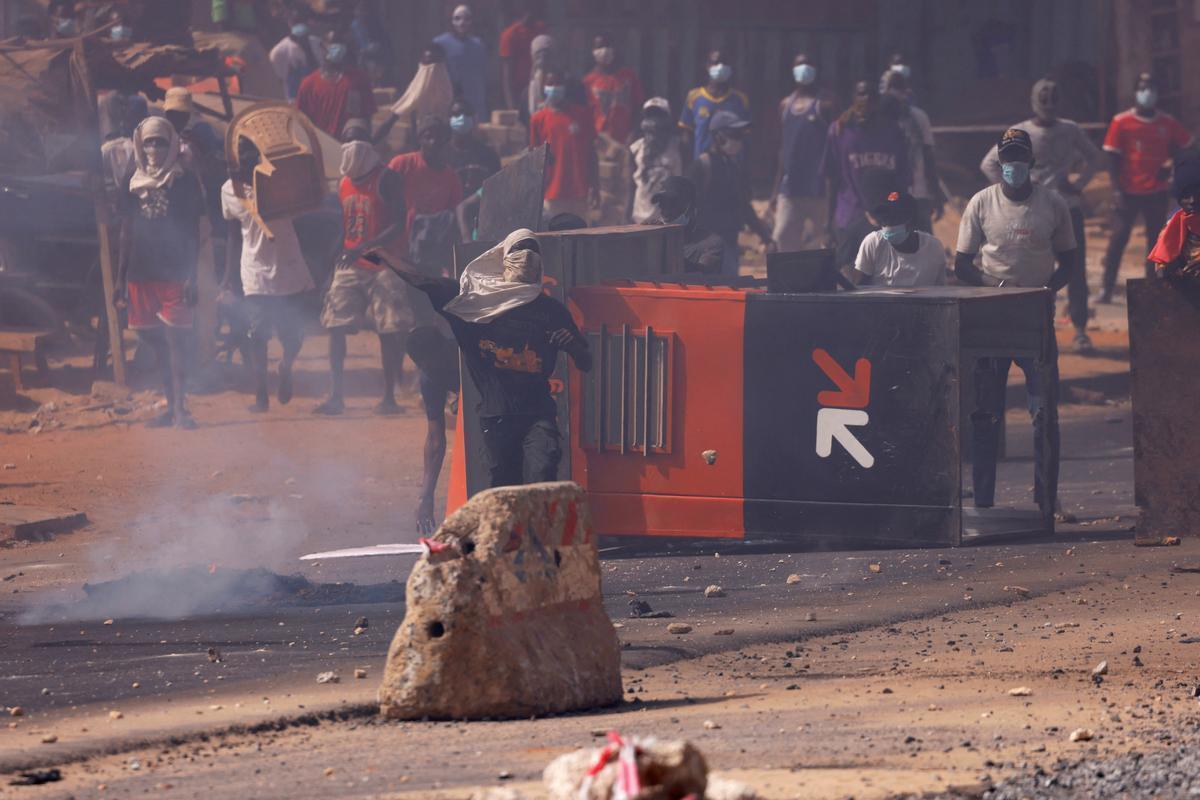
x,y
627,395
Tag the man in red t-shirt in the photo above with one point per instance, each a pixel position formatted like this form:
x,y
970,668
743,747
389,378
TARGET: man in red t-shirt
x,y
516,60
432,192
1141,143
336,92
565,124
613,92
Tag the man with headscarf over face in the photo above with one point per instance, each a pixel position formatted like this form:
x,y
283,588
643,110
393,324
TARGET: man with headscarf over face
x,y
158,255
510,333
362,293
1060,147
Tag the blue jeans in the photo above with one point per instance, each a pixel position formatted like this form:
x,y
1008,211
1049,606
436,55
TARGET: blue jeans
x,y
1041,388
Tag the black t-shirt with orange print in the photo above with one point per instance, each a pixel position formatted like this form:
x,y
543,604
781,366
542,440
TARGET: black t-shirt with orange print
x,y
510,358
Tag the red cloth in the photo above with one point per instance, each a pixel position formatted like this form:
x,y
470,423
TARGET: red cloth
x,y
571,136
426,190
1144,146
365,214
515,42
1174,237
153,304
329,103
614,98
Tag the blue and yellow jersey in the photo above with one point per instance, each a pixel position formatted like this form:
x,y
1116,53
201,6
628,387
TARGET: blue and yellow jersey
x,y
701,105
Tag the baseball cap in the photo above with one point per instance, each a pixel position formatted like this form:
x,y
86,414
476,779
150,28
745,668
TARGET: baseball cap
x,y
726,121
657,102
677,188
1015,141
896,209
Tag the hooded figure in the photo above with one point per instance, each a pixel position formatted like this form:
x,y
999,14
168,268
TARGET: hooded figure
x,y
498,281
359,159
149,176
543,51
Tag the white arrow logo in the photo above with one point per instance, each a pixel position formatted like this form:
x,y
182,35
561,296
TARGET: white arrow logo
x,y
832,424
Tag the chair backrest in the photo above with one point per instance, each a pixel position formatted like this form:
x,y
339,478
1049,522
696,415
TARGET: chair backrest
x,y
289,178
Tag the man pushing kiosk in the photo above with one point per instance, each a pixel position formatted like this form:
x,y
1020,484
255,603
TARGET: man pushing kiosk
x,y
510,333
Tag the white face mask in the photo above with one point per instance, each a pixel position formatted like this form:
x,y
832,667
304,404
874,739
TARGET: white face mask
x,y
523,266
604,55
155,156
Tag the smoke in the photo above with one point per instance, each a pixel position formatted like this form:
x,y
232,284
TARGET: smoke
x,y
193,551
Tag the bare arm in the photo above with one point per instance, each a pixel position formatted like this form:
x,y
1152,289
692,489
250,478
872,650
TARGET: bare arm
x,y
468,206
506,82
1066,265
966,271
990,166
381,133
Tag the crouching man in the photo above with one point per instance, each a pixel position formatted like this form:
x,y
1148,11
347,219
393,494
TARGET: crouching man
x,y
510,334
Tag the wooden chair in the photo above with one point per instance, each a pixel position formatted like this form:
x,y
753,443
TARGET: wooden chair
x,y
17,345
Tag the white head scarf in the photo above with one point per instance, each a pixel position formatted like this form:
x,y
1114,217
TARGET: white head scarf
x,y
483,292
430,94
145,178
358,159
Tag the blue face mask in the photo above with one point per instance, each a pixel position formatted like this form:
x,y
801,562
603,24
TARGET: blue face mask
x,y
721,73
555,94
1015,173
336,53
1146,98
121,33
299,30
895,233
683,219
805,74
461,123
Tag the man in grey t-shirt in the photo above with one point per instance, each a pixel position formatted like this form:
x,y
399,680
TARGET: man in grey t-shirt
x,y
1060,147
1020,228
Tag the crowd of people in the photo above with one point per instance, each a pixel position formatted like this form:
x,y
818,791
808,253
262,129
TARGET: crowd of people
x,y
863,182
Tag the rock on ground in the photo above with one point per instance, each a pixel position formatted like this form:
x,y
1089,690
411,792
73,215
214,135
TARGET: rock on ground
x,y
667,769
506,619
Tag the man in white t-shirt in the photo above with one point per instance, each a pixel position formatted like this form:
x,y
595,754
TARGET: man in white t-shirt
x,y
1020,229
898,254
275,278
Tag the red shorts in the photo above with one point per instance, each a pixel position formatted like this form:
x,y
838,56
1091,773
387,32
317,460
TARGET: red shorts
x,y
153,304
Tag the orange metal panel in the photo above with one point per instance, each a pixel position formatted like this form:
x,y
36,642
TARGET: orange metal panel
x,y
677,492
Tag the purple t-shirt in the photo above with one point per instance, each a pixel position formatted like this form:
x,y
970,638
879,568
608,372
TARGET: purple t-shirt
x,y
868,162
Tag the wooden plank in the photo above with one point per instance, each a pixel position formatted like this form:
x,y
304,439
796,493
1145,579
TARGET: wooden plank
x,y
21,340
35,524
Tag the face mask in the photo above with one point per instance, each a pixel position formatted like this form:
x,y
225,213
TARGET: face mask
x,y
1015,173
805,74
731,147
683,219
299,30
555,94
121,33
604,55
155,156
721,73
903,69
1146,98
336,53
523,266
461,123
65,27
895,233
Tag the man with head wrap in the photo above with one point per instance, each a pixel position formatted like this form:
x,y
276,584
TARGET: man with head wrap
x,y
160,240
510,333
362,293
1060,147
655,157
